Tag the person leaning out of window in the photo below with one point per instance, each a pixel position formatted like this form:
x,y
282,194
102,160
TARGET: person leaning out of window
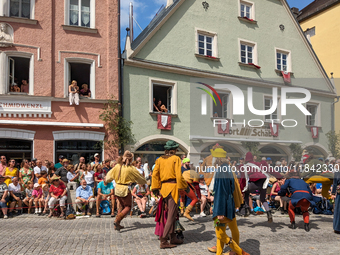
x,y
85,91
73,93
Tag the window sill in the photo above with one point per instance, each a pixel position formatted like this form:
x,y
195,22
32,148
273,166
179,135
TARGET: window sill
x,y
18,93
157,113
309,126
247,20
80,29
207,57
279,72
19,20
249,65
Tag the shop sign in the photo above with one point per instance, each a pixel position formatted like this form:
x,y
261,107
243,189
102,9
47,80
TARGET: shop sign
x,y
29,107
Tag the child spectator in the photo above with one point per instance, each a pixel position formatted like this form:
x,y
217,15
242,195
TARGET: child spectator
x,y
88,176
43,179
45,197
141,193
205,195
28,201
37,195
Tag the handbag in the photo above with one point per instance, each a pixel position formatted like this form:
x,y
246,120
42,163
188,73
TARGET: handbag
x,y
70,213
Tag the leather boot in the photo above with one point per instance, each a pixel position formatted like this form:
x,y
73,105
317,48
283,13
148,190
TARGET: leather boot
x,y
307,228
165,244
282,211
187,213
269,216
292,225
247,212
182,208
117,225
174,239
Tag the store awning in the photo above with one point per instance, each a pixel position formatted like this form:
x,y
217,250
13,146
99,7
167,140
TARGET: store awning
x,y
213,139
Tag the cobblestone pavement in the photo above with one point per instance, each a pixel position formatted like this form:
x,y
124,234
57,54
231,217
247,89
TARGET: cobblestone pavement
x,y
30,234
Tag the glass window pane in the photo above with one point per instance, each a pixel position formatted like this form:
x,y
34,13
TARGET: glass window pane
x,y
201,38
201,44
278,67
209,46
74,12
209,52
250,48
284,56
209,39
243,47
25,9
14,8
243,53
284,62
278,61
201,51
85,13
242,7
243,60
250,55
278,55
250,61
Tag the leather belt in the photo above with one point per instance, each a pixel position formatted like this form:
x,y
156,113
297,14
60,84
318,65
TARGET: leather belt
x,y
303,191
169,181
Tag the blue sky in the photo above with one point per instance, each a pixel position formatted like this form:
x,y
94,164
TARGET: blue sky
x,y
145,10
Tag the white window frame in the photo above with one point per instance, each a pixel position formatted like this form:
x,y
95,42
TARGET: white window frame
x,y
92,13
5,8
4,79
317,115
278,109
92,74
248,43
166,83
247,3
203,32
289,59
229,111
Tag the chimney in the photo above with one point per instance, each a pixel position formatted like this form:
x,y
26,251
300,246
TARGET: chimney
x,y
295,11
169,3
131,22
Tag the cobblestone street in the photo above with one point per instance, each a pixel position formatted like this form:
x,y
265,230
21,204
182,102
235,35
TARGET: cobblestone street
x,y
40,235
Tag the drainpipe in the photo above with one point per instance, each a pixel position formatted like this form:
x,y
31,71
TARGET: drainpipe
x,y
131,21
120,77
333,106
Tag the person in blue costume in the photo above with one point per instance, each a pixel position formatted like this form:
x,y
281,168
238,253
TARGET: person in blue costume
x,y
336,196
227,196
302,197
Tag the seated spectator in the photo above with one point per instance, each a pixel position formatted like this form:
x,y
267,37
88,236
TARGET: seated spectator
x,y
24,86
4,198
28,200
72,176
141,193
73,91
58,193
45,197
43,179
275,197
205,196
99,174
37,195
38,169
88,176
51,171
15,191
84,195
105,192
85,92
140,168
62,171
10,172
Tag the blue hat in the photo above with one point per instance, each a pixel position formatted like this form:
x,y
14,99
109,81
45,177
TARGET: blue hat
x,y
321,159
269,158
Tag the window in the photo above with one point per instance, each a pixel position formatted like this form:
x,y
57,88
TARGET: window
x,y
80,13
247,10
20,8
18,73
162,96
283,60
221,111
312,119
205,45
268,102
247,56
82,71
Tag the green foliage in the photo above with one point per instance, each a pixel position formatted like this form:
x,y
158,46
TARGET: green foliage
x,y
116,125
334,143
253,148
296,150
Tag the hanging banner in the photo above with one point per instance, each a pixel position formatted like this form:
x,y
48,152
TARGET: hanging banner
x,y
223,128
315,132
274,129
286,76
164,122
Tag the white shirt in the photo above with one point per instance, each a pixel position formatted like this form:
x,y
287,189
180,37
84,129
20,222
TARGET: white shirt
x,y
15,189
89,177
140,170
146,169
37,170
204,189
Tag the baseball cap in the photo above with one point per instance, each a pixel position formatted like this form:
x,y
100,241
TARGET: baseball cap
x,y
36,185
186,160
321,159
242,158
61,157
96,155
269,158
200,161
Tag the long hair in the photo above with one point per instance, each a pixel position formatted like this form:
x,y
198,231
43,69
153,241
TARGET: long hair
x,y
120,161
170,152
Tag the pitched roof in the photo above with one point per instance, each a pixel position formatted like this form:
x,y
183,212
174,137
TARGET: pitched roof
x,y
153,24
314,8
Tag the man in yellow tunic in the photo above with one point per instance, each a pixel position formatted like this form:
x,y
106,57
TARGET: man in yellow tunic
x,y
167,177
124,175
